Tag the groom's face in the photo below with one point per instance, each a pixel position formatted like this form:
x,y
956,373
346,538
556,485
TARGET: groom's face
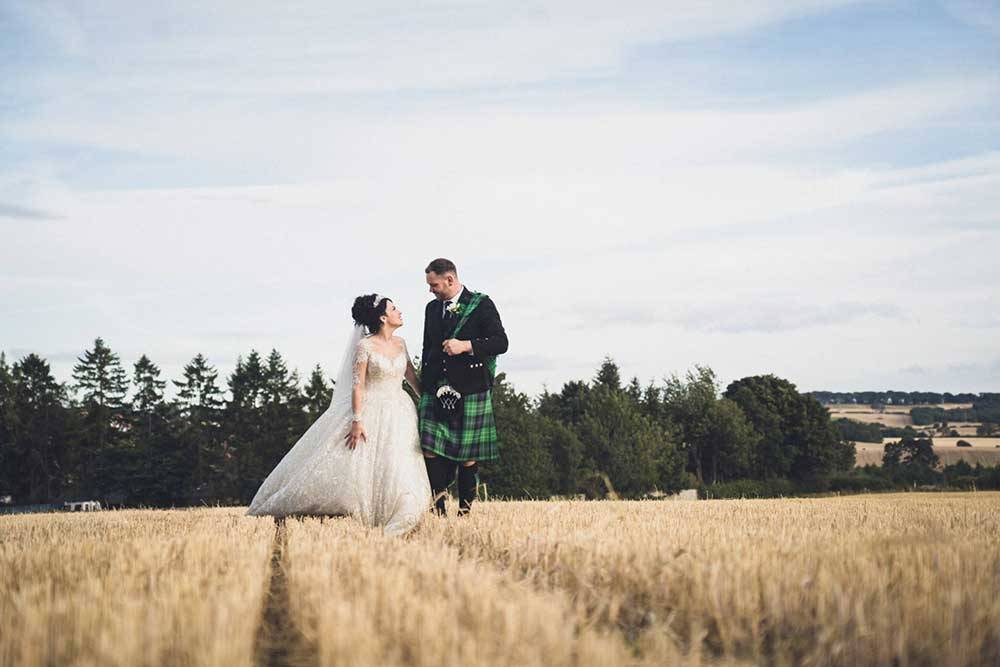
x,y
442,286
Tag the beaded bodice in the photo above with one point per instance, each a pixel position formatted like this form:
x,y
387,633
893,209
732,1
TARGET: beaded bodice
x,y
383,372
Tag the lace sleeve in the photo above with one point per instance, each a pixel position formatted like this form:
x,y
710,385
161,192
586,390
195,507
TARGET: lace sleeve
x,y
361,355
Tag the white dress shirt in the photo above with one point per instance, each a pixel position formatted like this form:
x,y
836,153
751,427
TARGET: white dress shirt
x,y
444,306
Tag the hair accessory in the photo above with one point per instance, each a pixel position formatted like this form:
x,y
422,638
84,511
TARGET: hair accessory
x,y
378,297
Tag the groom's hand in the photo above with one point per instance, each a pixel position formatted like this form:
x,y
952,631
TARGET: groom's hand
x,y
453,346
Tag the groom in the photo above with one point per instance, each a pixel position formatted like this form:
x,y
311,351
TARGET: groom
x,y
462,337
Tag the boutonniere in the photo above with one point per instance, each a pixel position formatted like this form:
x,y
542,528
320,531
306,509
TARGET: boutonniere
x,y
455,308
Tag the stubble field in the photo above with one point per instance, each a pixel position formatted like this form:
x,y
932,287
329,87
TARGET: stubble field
x,y
984,451
897,415
907,579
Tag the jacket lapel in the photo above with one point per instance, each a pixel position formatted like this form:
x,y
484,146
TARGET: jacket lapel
x,y
451,322
435,323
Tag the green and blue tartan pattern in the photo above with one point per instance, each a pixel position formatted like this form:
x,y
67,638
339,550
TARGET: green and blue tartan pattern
x,y
470,436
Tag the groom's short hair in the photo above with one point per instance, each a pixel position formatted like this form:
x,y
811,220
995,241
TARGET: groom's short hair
x,y
441,266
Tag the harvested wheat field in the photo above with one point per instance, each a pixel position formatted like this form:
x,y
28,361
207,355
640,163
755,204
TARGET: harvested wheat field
x,y
907,579
897,416
137,587
895,419
901,409
985,451
965,428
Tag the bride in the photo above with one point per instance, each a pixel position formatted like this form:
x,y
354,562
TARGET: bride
x,y
362,456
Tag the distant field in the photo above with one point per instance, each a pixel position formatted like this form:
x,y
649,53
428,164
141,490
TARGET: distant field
x,y
984,450
896,415
896,419
964,428
905,409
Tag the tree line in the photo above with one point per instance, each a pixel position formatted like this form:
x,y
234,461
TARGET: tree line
x,y
113,435
900,397
986,411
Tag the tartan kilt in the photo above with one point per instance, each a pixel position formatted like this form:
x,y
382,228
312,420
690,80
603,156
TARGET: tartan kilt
x,y
470,436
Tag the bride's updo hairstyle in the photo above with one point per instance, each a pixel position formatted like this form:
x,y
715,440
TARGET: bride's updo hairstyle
x,y
368,310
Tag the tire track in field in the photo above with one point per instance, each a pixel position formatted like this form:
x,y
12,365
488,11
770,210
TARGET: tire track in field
x,y
279,642
628,616
378,600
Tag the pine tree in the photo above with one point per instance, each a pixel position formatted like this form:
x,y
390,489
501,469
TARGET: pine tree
x,y
198,393
284,418
5,378
609,376
568,405
103,382
148,393
100,378
39,442
163,468
634,391
6,427
652,403
318,394
199,401
280,386
245,466
251,382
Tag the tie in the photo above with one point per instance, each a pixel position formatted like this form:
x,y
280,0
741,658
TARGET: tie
x,y
445,313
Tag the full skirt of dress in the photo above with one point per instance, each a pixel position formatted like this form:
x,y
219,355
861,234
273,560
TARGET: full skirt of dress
x,y
382,482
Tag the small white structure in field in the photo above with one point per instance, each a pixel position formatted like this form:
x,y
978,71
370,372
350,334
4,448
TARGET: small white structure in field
x,y
686,494
82,506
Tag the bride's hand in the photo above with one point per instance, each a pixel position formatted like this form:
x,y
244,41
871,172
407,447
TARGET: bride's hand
x,y
356,435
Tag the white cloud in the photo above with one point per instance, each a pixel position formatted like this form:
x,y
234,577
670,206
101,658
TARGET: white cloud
x,y
169,272
322,140
664,234
307,47
22,213
983,14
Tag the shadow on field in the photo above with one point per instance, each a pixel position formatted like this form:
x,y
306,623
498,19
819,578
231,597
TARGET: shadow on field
x,y
279,641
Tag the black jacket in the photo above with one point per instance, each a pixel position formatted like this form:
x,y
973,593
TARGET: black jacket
x,y
485,331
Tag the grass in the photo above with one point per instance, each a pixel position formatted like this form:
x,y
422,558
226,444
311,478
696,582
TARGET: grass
x,y
137,587
906,579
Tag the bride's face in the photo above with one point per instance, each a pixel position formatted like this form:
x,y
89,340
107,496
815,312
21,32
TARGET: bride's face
x,y
393,316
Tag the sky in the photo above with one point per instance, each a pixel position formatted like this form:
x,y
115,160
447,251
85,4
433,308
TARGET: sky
x,y
809,188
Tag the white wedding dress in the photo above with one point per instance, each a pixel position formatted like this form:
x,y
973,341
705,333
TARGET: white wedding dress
x,y
383,481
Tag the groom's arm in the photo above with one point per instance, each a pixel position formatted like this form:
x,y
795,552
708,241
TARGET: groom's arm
x,y
494,339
